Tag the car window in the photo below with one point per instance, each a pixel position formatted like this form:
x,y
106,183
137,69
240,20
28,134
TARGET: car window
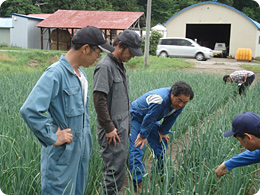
x,y
179,42
166,42
183,42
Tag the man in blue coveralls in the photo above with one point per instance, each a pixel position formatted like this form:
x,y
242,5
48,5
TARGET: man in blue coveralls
x,y
146,111
246,128
64,133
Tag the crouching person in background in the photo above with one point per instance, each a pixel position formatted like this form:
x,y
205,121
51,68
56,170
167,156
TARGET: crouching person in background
x,y
64,133
146,112
243,78
246,129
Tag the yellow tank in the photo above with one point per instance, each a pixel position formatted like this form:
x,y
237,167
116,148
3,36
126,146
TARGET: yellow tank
x,y
244,54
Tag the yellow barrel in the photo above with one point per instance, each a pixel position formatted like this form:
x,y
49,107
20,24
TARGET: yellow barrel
x,y
244,54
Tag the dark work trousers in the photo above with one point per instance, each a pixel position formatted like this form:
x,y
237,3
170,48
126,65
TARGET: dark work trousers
x,y
245,85
114,161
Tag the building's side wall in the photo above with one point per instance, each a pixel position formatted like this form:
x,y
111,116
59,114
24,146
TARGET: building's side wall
x,y
34,35
257,53
242,32
19,33
5,36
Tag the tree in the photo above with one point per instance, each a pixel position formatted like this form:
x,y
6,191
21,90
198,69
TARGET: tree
x,y
18,6
154,39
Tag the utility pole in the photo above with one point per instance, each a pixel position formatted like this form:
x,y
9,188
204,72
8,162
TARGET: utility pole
x,y
147,35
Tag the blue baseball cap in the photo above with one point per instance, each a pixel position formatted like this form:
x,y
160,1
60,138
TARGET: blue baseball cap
x,y
246,122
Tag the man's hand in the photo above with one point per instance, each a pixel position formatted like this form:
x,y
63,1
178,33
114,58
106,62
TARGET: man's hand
x,y
166,137
221,170
112,137
64,136
140,141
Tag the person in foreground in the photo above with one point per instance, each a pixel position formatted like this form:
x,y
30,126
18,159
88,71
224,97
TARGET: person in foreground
x,y
111,101
246,129
62,92
243,78
146,112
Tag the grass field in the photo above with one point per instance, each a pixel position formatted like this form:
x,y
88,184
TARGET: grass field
x,y
196,147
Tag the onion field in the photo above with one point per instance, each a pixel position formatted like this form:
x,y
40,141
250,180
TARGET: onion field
x,y
196,147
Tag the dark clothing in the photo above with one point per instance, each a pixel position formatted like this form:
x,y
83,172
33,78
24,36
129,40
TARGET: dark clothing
x,y
249,81
103,117
111,96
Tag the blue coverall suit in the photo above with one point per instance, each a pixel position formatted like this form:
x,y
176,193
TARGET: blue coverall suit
x,y
145,112
63,168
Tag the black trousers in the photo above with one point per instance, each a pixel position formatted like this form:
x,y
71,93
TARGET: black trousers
x,y
248,82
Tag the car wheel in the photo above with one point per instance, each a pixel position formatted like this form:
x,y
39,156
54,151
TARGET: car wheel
x,y
163,54
199,57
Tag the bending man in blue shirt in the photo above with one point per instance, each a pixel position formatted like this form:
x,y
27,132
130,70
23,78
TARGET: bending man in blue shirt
x,y
146,111
246,128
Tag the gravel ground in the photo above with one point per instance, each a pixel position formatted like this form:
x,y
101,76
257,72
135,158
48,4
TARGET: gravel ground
x,y
220,66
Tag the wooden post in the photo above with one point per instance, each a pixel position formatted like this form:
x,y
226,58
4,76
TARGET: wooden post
x,y
41,39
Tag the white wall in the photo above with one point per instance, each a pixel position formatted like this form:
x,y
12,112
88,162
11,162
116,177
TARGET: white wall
x,y
5,36
25,34
34,35
19,33
257,53
243,33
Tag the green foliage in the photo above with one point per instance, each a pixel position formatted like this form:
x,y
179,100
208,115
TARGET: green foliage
x,y
161,11
159,63
27,60
196,148
18,6
154,39
254,68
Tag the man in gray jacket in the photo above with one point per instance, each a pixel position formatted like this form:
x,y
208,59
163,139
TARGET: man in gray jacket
x,y
111,102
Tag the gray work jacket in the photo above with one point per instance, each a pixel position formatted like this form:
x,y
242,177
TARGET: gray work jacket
x,y
110,79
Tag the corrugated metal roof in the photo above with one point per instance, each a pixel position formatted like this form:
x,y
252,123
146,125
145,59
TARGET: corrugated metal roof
x,y
6,23
215,2
27,16
43,16
100,19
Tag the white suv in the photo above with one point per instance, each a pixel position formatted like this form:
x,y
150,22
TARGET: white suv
x,y
182,47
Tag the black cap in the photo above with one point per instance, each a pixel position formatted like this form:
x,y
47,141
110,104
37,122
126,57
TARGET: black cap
x,y
132,40
93,36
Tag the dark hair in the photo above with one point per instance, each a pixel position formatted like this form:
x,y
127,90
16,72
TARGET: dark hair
x,y
242,135
122,45
225,78
77,46
180,87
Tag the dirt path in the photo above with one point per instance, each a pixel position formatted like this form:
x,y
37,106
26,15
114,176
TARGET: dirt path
x,y
221,66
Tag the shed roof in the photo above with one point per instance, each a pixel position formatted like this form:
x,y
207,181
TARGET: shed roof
x,y
159,27
43,16
101,19
30,17
256,24
6,23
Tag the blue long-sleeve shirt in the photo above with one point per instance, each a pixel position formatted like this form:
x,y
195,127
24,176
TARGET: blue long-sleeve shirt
x,y
151,108
243,159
